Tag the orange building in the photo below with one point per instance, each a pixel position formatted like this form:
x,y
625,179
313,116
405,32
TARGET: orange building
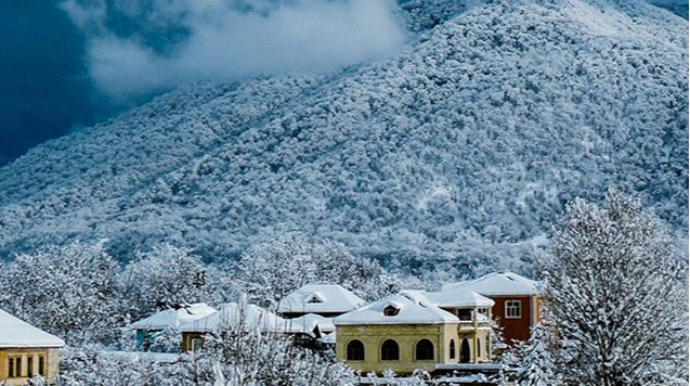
x,y
516,298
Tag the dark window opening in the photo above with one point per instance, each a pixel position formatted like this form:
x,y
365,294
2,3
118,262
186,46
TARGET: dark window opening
x,y
452,349
390,351
355,351
424,350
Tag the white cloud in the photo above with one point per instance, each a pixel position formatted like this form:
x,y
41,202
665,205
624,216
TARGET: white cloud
x,y
228,39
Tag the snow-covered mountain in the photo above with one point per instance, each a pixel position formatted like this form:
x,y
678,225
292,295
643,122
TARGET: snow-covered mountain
x,y
465,144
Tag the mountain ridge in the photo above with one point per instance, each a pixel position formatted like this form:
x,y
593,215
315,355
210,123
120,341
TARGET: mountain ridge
x,y
454,147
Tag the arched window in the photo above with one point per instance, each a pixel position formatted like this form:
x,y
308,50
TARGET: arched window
x,y
479,348
355,351
390,351
424,351
465,351
452,349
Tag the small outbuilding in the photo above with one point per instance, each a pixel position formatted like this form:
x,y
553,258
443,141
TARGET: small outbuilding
x,y
147,329
26,351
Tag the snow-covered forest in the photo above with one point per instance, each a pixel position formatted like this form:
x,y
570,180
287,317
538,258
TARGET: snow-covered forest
x,y
467,143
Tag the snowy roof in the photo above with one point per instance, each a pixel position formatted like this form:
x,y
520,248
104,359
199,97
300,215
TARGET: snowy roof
x,y
318,298
252,317
174,318
15,332
458,298
310,321
412,306
497,284
330,338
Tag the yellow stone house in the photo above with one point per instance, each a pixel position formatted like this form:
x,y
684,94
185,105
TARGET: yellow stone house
x,y
410,331
26,351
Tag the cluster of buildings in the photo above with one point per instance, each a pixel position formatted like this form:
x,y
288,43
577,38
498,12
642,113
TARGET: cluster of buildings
x,y
442,331
433,331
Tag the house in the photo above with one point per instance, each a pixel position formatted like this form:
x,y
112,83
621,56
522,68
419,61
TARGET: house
x,y
239,319
26,351
169,319
407,331
516,298
327,300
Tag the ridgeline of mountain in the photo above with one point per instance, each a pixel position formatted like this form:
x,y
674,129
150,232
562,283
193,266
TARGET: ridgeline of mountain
x,y
466,144
679,7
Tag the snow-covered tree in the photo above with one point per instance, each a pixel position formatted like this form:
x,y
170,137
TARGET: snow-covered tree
x,y
618,292
536,365
270,271
164,277
70,291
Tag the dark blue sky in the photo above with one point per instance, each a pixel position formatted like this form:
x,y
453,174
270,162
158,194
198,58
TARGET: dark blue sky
x,y
45,92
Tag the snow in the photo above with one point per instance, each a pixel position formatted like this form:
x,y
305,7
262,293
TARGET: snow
x,y
414,308
138,355
333,298
310,321
497,284
458,299
245,318
174,318
465,144
15,332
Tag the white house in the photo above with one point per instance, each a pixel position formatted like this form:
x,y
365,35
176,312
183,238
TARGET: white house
x,y
328,300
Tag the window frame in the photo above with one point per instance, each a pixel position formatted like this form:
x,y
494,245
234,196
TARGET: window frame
x,y
451,349
511,305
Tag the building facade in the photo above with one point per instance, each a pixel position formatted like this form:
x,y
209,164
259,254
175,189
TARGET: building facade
x,y
517,301
406,332
26,351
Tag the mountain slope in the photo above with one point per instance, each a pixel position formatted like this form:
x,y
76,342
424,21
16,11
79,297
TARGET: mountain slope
x,y
467,143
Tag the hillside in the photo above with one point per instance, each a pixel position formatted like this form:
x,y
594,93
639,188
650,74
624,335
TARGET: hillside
x,y
464,145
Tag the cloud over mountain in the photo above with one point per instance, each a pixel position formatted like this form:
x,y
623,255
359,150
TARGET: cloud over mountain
x,y
138,47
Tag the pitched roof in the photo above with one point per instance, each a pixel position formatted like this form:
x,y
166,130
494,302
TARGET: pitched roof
x,y
15,332
174,318
244,318
458,298
309,322
413,308
320,298
497,284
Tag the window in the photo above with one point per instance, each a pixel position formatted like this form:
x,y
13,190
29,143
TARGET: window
x,y
314,299
452,349
424,351
390,351
18,367
391,311
512,309
30,366
355,351
42,365
479,348
10,367
197,344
